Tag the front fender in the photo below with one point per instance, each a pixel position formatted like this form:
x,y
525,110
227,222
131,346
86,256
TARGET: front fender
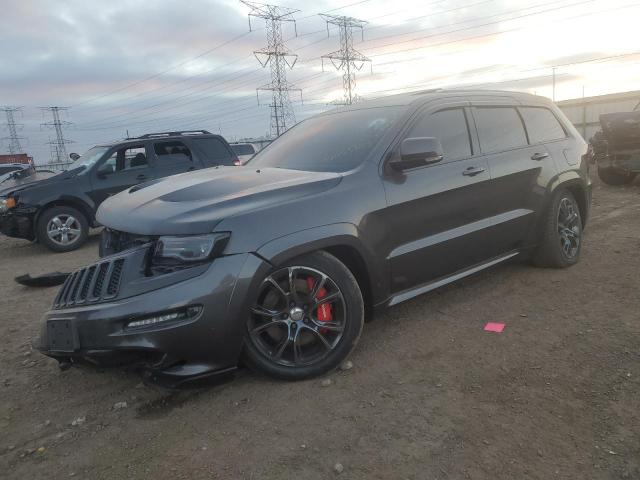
x,y
325,237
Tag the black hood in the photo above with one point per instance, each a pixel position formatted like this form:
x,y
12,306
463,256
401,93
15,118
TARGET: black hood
x,y
196,202
13,185
622,130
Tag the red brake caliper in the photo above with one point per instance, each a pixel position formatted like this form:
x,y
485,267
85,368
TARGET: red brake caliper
x,y
324,313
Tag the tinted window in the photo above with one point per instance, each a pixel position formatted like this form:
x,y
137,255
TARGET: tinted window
x,y
243,149
214,151
499,128
172,153
129,158
448,126
542,125
335,142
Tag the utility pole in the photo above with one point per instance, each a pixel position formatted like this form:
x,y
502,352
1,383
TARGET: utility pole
x,y
347,59
59,145
13,139
278,57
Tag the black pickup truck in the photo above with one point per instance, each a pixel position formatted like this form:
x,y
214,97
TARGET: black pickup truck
x,y
58,211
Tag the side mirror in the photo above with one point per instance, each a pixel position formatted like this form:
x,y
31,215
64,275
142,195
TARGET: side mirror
x,y
104,172
74,156
418,152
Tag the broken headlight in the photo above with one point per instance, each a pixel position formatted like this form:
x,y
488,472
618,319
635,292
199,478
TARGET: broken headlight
x,y
7,204
183,251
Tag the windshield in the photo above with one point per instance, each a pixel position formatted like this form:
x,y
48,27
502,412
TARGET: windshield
x,y
336,142
89,158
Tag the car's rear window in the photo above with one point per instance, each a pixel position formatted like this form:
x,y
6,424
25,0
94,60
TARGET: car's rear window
x,y
243,149
542,125
335,142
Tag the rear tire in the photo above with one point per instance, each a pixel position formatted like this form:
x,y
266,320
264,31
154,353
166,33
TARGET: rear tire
x,y
62,228
281,345
561,238
614,178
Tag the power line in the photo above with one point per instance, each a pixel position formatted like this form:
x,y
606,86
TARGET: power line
x,y
347,59
278,58
13,139
155,75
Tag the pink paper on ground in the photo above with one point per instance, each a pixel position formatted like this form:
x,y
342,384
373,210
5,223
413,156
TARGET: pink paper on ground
x,y
494,327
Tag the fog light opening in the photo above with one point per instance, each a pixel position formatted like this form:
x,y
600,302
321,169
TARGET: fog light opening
x,y
166,317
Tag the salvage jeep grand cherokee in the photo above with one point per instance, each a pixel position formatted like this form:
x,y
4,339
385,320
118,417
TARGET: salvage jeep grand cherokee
x,y
278,261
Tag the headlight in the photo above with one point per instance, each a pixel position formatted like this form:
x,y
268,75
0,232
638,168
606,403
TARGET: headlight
x,y
190,249
7,204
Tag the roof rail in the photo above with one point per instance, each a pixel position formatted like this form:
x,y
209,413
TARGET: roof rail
x,y
175,134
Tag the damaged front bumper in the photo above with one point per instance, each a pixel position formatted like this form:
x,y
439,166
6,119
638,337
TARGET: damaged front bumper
x,y
176,328
18,223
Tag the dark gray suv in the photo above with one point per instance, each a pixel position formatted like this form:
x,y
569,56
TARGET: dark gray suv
x,y
278,262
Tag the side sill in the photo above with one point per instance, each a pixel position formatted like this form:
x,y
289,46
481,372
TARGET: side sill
x,y
427,287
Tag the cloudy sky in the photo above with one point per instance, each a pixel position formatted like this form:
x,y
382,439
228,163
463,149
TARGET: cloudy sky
x,y
153,65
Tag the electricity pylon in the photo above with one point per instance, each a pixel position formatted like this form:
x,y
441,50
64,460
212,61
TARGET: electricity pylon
x,y
59,145
13,139
347,59
278,57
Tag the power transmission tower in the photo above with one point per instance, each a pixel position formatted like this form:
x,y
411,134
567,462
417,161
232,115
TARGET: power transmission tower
x,y
278,57
13,139
59,145
347,59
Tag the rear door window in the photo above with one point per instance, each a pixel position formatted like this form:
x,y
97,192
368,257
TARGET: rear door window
x,y
542,124
499,129
214,151
450,127
172,153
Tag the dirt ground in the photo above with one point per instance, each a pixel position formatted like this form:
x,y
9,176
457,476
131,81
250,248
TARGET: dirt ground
x,y
430,396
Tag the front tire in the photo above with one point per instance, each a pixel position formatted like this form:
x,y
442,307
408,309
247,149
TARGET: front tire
x,y
62,228
561,238
615,178
305,319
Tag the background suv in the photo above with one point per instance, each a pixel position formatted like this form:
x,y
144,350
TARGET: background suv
x,y
354,209
59,211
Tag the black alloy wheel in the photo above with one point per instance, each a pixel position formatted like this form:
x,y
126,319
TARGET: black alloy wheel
x,y
306,318
561,238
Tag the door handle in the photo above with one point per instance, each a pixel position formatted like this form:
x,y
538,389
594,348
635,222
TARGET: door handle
x,y
473,171
539,156
141,177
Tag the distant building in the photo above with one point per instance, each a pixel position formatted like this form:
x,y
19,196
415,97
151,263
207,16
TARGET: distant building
x,y
17,158
585,113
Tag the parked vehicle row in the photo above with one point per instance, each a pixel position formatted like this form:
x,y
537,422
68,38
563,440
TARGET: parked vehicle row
x,y
58,210
356,209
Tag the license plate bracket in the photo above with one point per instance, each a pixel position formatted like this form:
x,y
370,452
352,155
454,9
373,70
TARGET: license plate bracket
x,y
62,336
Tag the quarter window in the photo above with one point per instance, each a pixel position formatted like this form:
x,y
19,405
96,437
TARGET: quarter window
x,y
450,127
214,152
499,128
542,125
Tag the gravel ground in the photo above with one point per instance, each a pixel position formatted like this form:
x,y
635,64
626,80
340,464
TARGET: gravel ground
x,y
430,395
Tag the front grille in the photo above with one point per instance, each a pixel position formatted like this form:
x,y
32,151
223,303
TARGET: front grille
x,y
91,284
